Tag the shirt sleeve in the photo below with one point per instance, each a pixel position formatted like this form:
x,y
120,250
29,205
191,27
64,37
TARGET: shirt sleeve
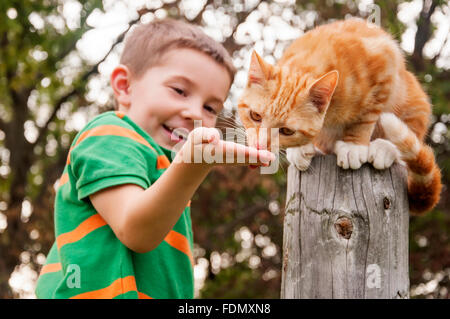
x,y
100,162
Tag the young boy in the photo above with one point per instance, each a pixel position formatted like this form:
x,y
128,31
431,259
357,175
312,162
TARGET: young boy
x,y
122,218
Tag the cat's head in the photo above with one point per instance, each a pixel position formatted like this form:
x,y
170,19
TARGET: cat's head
x,y
295,104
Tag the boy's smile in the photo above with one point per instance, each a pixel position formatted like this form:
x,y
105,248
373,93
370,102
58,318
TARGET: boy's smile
x,y
185,86
174,134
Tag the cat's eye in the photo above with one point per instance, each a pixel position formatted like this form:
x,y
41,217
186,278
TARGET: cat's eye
x,y
286,131
255,116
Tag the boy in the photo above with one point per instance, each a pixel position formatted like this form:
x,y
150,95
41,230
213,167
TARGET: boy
x,y
122,218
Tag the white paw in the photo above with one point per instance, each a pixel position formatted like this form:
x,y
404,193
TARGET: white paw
x,y
382,153
350,155
301,156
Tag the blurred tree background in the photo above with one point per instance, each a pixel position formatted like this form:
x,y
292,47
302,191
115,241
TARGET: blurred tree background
x,y
55,59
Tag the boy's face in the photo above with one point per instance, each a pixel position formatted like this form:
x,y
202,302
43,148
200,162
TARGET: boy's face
x,y
187,85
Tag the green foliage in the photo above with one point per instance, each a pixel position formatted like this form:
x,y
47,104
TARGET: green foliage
x,y
36,42
239,282
38,97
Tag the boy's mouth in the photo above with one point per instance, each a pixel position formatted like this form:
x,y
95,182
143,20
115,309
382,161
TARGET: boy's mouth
x,y
174,135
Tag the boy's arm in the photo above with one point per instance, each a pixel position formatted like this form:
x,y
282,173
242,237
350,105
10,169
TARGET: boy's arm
x,y
142,218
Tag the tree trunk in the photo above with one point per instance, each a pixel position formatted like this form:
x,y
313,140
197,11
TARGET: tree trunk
x,y
345,232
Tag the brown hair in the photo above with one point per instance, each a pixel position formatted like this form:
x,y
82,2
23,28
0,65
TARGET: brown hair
x,y
146,44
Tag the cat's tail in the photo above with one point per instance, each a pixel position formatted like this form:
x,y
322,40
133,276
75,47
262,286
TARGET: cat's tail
x,y
424,176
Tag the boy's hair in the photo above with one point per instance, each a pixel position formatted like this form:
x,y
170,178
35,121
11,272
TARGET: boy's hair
x,y
146,44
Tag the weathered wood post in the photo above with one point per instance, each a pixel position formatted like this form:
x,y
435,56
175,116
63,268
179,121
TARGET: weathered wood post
x,y
345,232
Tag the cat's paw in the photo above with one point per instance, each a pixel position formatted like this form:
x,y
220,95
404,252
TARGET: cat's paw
x,y
382,153
301,156
350,155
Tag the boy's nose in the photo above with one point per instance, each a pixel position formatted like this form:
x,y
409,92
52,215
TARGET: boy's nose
x,y
193,112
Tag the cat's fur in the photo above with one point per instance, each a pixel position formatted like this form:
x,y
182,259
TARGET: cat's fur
x,y
344,88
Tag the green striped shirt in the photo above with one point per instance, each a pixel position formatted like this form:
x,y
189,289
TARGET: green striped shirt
x,y
87,260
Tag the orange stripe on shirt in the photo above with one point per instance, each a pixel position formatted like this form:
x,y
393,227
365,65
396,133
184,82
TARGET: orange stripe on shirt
x,y
50,268
180,242
119,114
87,226
141,295
118,287
64,179
114,130
163,162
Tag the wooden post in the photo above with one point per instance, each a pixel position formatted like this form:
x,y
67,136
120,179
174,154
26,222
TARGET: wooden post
x,y
345,232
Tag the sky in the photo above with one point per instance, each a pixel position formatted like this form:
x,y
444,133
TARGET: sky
x,y
109,24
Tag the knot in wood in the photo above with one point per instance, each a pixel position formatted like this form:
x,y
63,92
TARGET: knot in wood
x,y
344,227
386,203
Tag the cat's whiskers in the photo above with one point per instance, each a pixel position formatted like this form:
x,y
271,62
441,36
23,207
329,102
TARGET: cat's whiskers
x,y
228,119
229,123
283,160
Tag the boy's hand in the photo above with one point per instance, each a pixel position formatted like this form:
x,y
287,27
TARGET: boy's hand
x,y
204,146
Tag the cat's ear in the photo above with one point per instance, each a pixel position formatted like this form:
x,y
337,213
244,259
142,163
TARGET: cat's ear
x,y
322,90
259,71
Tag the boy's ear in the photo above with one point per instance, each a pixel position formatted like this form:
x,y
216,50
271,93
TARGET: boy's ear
x,y
120,83
259,71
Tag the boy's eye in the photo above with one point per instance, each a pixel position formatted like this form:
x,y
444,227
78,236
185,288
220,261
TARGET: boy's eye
x,y
179,91
286,131
210,109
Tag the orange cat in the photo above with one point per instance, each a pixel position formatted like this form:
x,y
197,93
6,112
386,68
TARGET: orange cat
x,y
344,88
